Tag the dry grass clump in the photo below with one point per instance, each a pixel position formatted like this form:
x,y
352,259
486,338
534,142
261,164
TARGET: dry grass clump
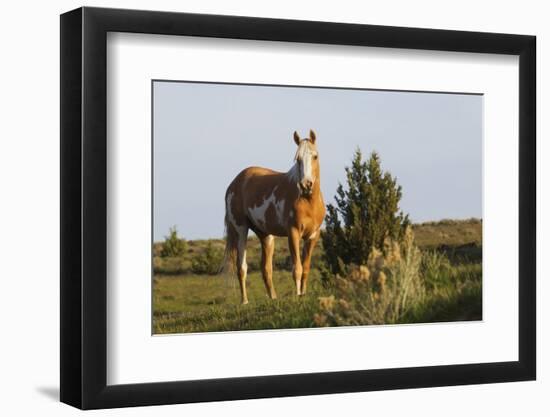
x,y
380,292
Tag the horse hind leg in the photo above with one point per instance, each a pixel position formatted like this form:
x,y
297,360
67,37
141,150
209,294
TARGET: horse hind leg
x,y
237,234
242,266
268,245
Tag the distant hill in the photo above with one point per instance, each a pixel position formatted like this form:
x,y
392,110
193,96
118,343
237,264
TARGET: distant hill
x,y
448,233
461,238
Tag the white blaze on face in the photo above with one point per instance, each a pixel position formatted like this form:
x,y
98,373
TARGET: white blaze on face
x,y
306,167
304,162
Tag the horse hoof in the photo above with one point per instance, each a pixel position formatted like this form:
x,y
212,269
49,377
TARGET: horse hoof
x,y
244,302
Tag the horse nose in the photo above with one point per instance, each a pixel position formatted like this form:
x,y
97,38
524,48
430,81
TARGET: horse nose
x,y
308,184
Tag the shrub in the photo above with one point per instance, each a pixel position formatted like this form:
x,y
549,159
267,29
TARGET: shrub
x,y
170,265
365,215
381,291
173,246
207,262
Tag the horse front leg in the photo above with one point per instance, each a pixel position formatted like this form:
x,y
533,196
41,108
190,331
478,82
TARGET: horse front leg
x,y
294,247
268,244
309,245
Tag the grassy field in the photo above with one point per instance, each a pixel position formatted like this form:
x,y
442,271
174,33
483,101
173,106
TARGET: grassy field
x,y
184,301
198,303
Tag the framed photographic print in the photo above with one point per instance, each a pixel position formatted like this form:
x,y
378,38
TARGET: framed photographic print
x,y
256,207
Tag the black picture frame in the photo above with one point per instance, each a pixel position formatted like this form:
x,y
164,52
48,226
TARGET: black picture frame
x,y
84,207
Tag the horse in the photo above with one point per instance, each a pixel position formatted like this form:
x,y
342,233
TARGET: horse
x,y
272,203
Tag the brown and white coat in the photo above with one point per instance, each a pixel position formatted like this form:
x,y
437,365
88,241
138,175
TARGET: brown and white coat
x,y
275,203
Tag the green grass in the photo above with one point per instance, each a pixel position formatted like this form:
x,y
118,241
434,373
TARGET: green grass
x,y
184,302
198,303
203,303
458,300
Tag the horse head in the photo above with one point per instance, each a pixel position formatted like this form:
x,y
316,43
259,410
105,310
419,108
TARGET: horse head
x,y
306,168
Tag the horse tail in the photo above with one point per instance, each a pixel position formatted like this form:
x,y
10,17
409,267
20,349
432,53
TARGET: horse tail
x,y
228,266
230,253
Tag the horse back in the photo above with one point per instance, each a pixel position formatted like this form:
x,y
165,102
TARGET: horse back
x,y
256,181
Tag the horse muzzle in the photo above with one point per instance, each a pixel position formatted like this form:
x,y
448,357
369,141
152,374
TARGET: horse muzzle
x,y
306,187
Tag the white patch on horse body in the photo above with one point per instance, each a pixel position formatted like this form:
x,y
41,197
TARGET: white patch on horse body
x,y
312,236
257,213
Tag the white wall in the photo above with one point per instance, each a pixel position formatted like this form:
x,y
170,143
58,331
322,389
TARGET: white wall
x,y
29,175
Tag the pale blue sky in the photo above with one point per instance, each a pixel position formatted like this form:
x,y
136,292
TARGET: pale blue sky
x,y
205,134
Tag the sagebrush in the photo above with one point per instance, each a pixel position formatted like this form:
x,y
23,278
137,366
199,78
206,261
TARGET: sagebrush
x,y
379,292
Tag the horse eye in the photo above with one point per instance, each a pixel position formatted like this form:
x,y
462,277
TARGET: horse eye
x,y
315,157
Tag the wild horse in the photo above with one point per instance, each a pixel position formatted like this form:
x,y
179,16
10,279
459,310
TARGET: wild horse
x,y
274,203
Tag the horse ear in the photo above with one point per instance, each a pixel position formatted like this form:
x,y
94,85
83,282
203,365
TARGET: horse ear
x,y
296,138
312,136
